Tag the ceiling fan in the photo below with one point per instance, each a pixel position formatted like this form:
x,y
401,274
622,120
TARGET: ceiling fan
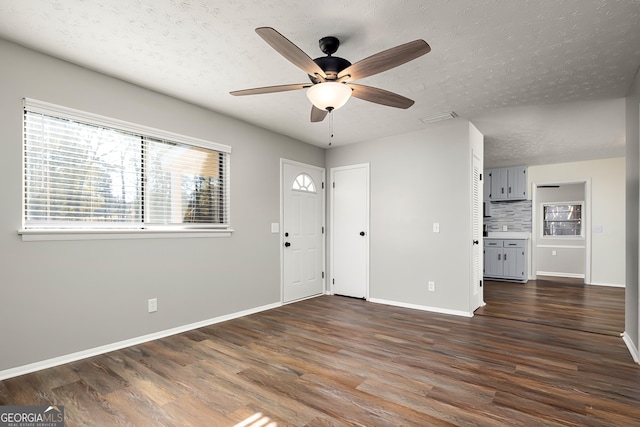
x,y
331,76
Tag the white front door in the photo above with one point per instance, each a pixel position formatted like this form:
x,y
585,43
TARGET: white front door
x,y
350,231
302,231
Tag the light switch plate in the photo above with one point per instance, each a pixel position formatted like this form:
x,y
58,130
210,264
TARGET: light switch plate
x,y
436,227
275,227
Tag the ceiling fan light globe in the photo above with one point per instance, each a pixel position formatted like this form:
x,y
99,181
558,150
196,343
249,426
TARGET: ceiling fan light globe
x,y
329,95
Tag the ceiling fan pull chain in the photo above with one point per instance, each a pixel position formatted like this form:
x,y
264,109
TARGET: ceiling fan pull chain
x,y
330,128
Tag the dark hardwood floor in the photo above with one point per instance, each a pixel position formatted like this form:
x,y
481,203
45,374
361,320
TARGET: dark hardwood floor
x,y
565,303
336,361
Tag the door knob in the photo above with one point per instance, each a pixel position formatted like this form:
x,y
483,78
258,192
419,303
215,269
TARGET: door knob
x,y
287,244
362,233
475,242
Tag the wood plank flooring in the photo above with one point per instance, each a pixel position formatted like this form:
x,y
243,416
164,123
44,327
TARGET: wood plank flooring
x,y
561,302
336,361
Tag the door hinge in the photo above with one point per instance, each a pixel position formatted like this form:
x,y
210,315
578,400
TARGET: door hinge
x,y
323,274
480,282
323,185
333,281
334,185
480,177
322,230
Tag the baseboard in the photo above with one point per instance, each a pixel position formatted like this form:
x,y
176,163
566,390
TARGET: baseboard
x,y
632,348
422,307
556,274
72,357
611,285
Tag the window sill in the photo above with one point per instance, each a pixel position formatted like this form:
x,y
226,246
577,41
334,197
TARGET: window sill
x,y
562,236
96,234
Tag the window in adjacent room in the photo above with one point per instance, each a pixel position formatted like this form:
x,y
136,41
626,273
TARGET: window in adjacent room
x,y
83,171
562,219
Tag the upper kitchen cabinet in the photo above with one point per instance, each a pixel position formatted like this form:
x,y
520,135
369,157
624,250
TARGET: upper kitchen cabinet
x,y
507,183
486,186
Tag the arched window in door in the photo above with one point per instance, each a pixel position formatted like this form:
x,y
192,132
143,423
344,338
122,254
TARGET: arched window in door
x,y
303,182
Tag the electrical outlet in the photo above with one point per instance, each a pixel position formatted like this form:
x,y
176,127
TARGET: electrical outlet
x,y
152,305
504,228
432,286
436,227
554,253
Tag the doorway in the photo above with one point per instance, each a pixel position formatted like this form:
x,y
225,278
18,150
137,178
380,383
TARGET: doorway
x,y
302,233
558,249
350,231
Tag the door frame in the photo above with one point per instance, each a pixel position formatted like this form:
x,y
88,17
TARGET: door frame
x,y
322,170
332,172
476,300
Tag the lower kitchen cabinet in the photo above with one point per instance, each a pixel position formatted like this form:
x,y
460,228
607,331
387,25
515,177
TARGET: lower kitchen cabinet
x,y
505,259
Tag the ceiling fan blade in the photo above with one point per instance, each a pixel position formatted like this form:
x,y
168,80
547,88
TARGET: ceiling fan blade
x,y
317,115
270,89
385,60
380,96
290,51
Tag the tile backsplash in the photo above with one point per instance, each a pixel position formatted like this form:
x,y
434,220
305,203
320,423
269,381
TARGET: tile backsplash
x,y
515,215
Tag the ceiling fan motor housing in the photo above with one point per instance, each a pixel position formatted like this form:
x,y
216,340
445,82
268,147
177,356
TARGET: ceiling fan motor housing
x,y
331,65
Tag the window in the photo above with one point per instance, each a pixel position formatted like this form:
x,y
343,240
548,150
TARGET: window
x,y
562,219
303,182
83,171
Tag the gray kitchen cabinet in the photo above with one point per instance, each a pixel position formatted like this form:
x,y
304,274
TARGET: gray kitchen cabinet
x,y
517,182
507,183
499,184
505,259
486,186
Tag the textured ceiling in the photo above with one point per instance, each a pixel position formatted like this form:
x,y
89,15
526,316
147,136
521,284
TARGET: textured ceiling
x,y
543,80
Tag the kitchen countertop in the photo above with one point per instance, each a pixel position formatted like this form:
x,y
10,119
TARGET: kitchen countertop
x,y
508,235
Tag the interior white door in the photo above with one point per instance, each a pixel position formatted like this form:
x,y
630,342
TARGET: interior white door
x,y
477,294
302,231
350,230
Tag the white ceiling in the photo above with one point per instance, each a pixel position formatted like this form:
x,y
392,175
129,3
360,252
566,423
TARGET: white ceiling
x,y
543,80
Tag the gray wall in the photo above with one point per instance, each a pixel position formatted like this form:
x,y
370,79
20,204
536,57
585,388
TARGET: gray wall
x,y
606,188
632,316
60,297
418,179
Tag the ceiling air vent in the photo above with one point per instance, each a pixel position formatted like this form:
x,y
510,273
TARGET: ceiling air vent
x,y
439,117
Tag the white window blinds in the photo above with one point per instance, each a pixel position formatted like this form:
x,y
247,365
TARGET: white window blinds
x,y
88,171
